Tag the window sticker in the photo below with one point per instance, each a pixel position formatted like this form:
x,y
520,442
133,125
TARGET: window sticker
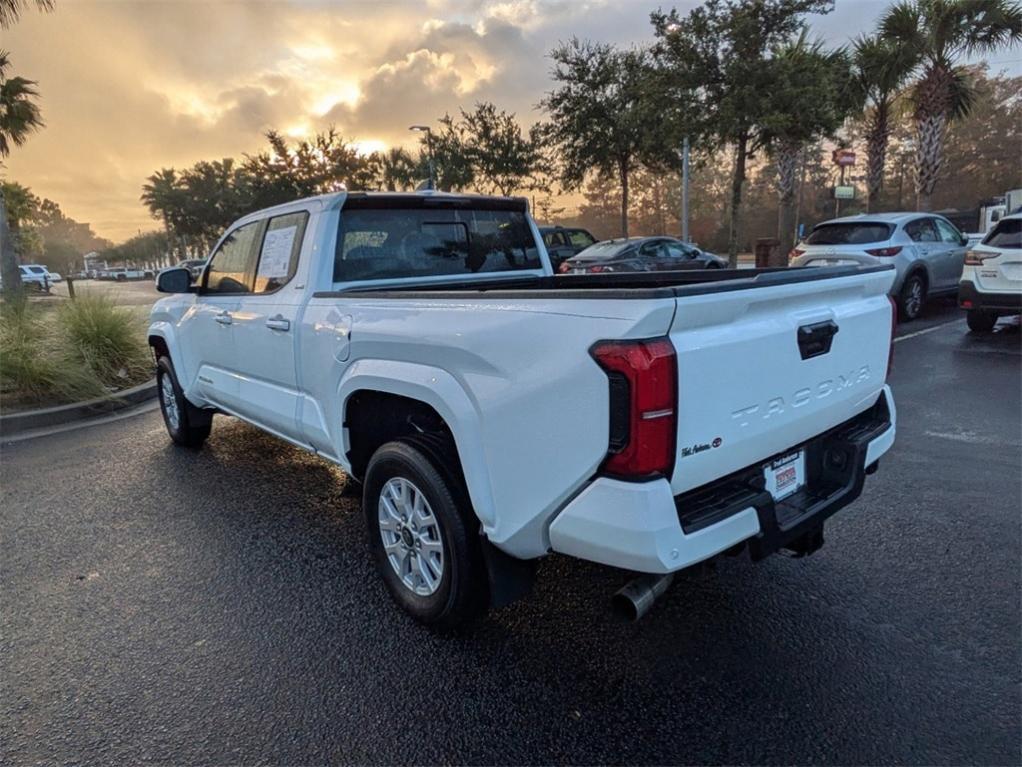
x,y
275,261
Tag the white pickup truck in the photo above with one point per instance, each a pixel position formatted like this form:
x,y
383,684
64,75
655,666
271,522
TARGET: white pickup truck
x,y
494,412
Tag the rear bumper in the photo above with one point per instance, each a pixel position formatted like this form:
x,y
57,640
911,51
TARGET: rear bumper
x,y
971,298
641,527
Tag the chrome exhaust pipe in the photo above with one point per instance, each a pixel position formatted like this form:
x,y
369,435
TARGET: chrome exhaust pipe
x,y
634,600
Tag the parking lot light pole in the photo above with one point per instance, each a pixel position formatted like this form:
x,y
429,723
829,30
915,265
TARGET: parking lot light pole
x,y
684,191
429,151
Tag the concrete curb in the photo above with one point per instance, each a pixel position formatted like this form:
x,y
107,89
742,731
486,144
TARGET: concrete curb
x,y
30,420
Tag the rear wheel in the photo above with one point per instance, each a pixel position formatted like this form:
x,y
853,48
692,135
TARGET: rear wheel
x,y
186,424
911,298
981,321
424,537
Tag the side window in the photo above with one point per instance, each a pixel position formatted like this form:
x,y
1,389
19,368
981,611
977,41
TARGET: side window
x,y
921,230
581,239
230,267
654,249
677,251
278,256
947,232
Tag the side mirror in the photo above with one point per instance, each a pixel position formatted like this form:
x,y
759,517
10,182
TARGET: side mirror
x,y
965,240
174,280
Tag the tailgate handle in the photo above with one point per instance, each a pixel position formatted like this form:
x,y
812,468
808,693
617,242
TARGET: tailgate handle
x,y
815,339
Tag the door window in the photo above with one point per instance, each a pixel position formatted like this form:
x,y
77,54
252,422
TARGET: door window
x,y
678,251
580,239
653,250
230,267
278,256
922,230
947,232
554,240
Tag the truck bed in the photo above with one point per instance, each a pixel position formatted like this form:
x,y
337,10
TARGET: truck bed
x,y
639,285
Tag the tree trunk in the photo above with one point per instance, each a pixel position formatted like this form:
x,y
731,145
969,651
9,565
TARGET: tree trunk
x,y
787,168
933,96
8,256
741,148
929,156
623,172
877,136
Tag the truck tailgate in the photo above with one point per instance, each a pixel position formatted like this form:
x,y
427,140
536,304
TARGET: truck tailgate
x,y
756,376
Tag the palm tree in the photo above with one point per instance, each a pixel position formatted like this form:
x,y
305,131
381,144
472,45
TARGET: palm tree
x,y
881,68
162,196
10,10
811,95
938,33
19,116
397,169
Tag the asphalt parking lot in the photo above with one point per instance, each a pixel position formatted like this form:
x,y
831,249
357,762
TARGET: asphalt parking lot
x,y
219,607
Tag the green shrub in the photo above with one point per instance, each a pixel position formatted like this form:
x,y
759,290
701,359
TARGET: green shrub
x,y
106,337
35,366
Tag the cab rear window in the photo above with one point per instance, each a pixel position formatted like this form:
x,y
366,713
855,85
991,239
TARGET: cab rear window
x,y
1007,234
857,233
392,238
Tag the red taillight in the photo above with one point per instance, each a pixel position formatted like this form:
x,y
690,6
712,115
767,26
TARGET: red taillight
x,y
884,252
644,406
977,257
794,253
894,326
563,268
594,269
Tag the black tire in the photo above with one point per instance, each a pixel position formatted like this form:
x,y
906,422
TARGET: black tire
x,y
461,594
121,277
981,321
911,298
192,424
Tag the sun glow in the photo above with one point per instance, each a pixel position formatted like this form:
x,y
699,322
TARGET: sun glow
x,y
342,93
368,146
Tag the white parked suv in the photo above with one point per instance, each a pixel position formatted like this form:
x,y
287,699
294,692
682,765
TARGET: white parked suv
x,y
493,412
927,252
992,278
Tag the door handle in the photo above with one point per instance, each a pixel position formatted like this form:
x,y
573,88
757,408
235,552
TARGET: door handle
x,y
278,322
224,318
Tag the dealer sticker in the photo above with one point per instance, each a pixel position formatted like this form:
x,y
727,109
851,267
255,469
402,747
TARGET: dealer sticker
x,y
785,475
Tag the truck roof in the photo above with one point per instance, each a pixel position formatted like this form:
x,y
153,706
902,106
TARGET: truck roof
x,y
336,200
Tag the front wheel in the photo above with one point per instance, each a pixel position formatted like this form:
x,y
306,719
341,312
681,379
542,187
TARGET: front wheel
x,y
981,321
186,424
911,298
424,537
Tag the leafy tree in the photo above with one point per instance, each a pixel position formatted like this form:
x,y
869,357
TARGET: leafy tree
x,y
938,33
602,113
149,248
452,161
811,95
715,60
881,69
502,157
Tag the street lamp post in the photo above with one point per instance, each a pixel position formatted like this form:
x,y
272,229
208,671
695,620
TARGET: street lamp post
x,y
429,151
684,191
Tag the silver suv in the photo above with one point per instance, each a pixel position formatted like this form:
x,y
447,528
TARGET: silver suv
x,y
927,251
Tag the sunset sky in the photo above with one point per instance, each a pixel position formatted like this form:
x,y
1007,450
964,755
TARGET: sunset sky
x,y
130,87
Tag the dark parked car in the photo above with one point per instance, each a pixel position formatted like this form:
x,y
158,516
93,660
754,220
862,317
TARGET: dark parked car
x,y
563,242
640,254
